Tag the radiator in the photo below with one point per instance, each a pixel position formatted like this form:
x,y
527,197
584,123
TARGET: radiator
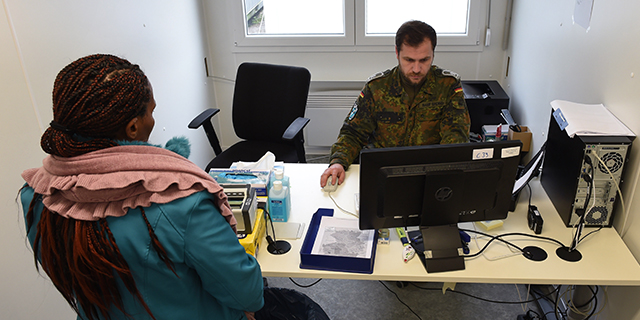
x,y
327,106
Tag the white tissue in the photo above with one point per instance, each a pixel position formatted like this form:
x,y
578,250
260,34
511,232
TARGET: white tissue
x,y
267,162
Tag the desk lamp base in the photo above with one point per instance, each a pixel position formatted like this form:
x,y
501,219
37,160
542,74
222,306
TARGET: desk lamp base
x,y
279,247
534,253
569,255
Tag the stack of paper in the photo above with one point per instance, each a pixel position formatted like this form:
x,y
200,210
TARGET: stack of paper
x,y
590,120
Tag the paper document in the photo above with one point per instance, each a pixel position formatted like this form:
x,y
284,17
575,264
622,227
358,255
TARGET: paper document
x,y
526,177
342,237
590,120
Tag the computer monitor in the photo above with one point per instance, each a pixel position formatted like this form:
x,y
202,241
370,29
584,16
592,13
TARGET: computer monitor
x,y
435,187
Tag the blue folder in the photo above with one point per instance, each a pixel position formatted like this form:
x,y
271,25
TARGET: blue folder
x,y
327,262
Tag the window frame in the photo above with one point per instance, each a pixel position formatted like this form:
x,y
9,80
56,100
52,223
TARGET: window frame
x,y
354,38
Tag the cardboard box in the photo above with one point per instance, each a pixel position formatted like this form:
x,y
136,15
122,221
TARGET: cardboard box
x,y
524,135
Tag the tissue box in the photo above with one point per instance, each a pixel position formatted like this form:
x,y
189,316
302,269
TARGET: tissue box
x,y
524,135
258,179
489,132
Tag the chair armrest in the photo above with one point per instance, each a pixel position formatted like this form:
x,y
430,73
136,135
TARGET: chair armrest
x,y
295,128
202,117
294,134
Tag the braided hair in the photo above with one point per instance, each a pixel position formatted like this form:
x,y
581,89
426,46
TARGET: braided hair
x,y
94,98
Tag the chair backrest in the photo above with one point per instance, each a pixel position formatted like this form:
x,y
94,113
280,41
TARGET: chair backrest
x,y
267,98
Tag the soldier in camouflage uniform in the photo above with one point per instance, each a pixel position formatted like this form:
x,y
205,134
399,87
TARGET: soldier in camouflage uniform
x,y
415,103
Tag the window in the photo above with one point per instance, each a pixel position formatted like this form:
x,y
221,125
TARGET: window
x,y
382,17
294,17
366,24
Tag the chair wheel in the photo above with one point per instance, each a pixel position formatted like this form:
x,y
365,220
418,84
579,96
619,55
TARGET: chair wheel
x,y
401,284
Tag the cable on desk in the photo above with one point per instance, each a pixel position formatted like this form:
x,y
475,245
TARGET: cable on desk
x,y
305,286
511,234
395,294
530,192
588,234
343,210
587,177
275,246
498,237
513,252
273,230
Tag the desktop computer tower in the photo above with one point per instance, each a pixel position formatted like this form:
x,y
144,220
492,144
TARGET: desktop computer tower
x,y
485,99
567,158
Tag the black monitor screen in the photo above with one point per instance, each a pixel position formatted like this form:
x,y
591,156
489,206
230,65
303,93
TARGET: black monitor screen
x,y
437,185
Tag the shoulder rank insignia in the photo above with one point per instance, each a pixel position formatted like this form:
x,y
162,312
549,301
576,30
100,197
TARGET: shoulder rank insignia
x,y
450,74
379,75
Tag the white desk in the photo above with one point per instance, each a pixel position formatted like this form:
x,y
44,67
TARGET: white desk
x,y
606,260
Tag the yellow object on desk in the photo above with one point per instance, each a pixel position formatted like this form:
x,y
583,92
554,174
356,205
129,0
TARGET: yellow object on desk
x,y
490,224
251,242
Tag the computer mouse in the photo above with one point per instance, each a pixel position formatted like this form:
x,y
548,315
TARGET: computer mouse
x,y
329,187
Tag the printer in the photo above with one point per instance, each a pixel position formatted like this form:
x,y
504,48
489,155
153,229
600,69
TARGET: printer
x,y
485,99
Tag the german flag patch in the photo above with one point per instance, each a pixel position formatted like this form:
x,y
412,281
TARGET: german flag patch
x,y
458,90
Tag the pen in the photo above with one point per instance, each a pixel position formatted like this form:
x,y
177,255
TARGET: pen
x,y
407,252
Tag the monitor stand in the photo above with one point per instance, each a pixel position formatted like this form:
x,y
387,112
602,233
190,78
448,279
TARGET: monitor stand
x,y
441,248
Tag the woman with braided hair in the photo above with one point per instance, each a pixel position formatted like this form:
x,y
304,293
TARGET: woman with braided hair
x,y
126,229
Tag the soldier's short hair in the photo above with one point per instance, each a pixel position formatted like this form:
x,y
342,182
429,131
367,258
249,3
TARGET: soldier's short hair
x,y
413,33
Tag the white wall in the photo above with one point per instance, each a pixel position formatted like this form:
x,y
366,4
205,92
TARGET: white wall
x,y
551,58
37,39
20,286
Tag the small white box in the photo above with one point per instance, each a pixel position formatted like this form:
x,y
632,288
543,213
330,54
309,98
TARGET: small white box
x,y
489,132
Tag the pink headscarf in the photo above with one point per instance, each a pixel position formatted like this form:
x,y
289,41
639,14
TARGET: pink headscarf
x,y
108,182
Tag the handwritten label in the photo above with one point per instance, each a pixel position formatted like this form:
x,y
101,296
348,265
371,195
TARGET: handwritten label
x,y
479,154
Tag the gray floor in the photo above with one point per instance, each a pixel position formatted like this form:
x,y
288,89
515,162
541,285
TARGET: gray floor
x,y
361,299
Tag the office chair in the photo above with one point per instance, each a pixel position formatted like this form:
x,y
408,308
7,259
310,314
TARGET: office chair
x,y
269,103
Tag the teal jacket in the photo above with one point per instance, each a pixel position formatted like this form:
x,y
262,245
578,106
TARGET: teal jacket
x,y
216,278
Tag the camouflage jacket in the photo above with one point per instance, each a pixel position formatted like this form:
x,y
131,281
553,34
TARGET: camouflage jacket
x,y
381,116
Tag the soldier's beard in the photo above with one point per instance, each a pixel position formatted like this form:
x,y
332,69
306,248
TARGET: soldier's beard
x,y
410,81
